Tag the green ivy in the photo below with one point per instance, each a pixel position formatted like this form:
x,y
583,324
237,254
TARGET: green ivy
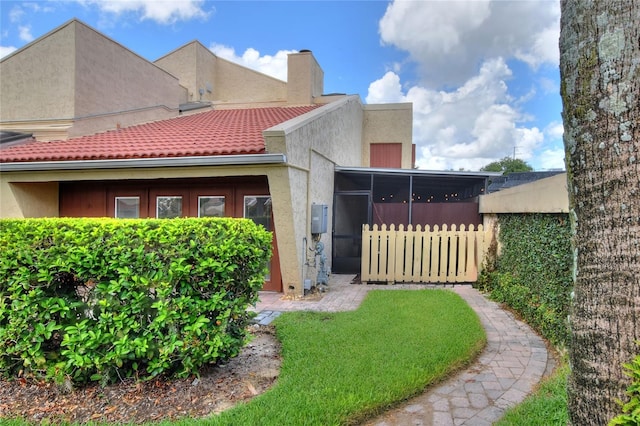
x,y
630,409
99,299
533,272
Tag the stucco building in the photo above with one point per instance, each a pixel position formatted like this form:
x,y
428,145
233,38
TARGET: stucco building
x,y
109,133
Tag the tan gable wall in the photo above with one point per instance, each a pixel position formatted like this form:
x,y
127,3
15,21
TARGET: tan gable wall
x,y
38,81
235,83
111,78
198,68
388,123
76,78
183,64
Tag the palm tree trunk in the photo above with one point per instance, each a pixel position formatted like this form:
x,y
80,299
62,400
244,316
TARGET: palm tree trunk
x,y
600,73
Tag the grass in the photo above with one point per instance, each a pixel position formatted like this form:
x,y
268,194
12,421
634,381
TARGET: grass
x,y
341,368
547,406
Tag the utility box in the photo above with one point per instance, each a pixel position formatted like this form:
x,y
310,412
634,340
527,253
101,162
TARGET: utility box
x,y
319,218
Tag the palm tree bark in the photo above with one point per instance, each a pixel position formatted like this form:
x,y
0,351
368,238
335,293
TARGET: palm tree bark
x,y
600,87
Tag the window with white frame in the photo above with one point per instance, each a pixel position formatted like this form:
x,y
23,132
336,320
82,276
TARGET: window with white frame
x,y
211,206
127,207
168,207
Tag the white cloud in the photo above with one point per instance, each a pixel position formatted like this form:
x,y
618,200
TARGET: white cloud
x,y
25,33
387,89
464,114
554,130
544,47
552,158
38,6
449,39
6,50
15,14
468,127
551,155
162,12
272,65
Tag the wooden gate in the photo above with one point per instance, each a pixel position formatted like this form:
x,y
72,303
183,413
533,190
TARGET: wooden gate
x,y
423,256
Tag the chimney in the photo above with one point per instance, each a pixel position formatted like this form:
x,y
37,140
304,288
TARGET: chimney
x,y
305,78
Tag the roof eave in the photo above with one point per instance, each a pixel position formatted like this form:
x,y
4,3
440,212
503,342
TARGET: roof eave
x,y
146,163
389,171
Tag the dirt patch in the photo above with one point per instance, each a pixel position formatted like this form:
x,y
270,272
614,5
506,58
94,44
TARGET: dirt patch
x,y
218,388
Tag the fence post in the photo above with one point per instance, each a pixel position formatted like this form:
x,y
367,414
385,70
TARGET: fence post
x,y
461,260
418,248
365,260
426,254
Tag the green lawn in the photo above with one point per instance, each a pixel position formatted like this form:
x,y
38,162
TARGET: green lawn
x,y
339,368
547,406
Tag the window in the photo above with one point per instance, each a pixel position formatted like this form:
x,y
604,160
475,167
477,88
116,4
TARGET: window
x,y
127,207
168,207
211,206
258,209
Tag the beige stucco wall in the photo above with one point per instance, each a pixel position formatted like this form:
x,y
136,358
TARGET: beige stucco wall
x,y
313,143
38,80
388,123
78,80
184,63
548,195
305,78
198,68
235,83
30,199
117,85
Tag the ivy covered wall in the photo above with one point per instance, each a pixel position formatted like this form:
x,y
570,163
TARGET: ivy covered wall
x,y
532,273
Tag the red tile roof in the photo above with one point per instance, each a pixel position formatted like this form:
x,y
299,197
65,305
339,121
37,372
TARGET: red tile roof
x,y
218,132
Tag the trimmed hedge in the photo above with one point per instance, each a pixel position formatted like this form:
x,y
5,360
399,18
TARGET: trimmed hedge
x,y
98,299
533,274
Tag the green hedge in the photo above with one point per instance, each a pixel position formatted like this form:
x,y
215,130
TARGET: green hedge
x,y
97,299
533,274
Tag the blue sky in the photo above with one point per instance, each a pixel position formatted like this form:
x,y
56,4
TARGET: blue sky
x,y
482,75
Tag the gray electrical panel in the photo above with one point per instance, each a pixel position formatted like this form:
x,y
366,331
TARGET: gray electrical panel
x,y
319,218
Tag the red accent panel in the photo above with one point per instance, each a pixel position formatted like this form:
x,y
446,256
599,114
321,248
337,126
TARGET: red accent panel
x,y
386,155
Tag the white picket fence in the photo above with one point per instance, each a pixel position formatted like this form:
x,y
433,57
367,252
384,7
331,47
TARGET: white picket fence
x,y
423,256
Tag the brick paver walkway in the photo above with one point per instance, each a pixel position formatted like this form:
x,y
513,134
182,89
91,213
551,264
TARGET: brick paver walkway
x,y
513,362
